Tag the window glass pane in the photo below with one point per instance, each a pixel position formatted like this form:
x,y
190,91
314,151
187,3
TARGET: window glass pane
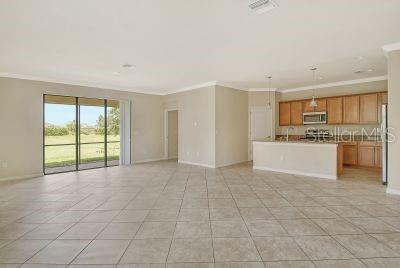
x,y
91,133
59,158
113,133
113,152
91,155
59,134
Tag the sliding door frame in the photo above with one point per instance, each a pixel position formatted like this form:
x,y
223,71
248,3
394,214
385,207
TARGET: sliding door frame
x,y
77,135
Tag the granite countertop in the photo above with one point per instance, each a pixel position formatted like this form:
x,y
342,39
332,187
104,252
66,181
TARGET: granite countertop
x,y
299,141
336,139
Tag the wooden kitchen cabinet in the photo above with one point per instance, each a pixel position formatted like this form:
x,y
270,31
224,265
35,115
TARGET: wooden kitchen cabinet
x,y
284,113
351,109
366,156
335,110
306,106
369,108
363,153
350,153
378,156
296,113
321,105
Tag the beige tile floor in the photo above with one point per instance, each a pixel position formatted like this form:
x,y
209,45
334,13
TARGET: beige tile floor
x,y
168,215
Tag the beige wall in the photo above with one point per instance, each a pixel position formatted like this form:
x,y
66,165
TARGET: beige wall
x,y
394,121
172,134
21,113
231,119
196,116
329,92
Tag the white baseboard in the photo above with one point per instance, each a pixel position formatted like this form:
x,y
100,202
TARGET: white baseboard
x,y
392,191
148,160
231,163
295,172
195,164
30,176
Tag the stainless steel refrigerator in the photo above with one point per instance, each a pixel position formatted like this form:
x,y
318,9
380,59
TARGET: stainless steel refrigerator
x,y
384,135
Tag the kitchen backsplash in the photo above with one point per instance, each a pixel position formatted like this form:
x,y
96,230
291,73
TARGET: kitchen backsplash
x,y
357,130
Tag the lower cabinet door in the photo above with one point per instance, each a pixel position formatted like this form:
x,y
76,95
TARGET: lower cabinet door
x,y
366,156
378,157
350,155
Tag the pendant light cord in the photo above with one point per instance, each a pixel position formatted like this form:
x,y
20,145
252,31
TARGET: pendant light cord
x,y
269,91
314,69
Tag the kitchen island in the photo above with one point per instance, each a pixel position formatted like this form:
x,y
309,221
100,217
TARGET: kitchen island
x,y
313,159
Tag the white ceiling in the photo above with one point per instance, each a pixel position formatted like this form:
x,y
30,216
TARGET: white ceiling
x,y
178,43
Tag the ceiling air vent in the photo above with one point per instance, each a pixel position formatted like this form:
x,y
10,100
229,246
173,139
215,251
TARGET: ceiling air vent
x,y
262,6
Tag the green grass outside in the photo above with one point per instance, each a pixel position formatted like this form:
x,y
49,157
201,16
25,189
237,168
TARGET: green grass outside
x,y
57,156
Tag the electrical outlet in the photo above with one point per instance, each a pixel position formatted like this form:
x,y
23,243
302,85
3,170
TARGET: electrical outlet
x,y
195,124
4,164
197,153
282,158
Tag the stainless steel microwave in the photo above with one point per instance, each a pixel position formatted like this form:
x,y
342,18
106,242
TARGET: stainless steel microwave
x,y
314,118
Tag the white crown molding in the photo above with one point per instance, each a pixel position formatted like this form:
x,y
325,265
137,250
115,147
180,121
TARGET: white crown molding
x,y
188,88
222,84
263,89
336,84
390,47
75,83
206,84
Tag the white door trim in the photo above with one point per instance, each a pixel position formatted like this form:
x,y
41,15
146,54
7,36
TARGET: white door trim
x,y
125,133
166,130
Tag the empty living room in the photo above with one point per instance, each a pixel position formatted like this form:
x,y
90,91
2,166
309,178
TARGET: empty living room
x,y
199,134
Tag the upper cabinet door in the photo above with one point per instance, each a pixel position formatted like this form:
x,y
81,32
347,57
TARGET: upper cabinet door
x,y
369,109
284,113
296,113
335,110
351,109
306,106
321,105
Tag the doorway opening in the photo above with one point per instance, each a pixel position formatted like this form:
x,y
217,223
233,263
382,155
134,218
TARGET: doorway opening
x,y
80,133
260,126
171,130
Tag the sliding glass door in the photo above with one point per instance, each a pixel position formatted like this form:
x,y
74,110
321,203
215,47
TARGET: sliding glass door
x,y
60,144
113,133
92,128
80,133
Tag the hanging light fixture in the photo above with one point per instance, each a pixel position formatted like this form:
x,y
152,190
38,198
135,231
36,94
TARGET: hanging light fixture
x,y
269,107
313,102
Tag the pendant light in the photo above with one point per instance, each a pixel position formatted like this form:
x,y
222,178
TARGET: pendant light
x,y
313,102
269,107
